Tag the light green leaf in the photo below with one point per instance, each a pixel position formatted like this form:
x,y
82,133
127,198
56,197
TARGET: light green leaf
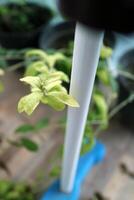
x,y
59,88
57,76
29,103
64,98
103,76
54,103
101,105
37,53
106,52
34,81
34,68
53,58
51,85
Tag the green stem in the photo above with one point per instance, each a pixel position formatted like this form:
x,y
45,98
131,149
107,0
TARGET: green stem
x,y
126,74
15,67
121,106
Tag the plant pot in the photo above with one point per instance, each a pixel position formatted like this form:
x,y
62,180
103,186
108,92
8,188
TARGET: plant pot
x,y
22,39
126,87
57,36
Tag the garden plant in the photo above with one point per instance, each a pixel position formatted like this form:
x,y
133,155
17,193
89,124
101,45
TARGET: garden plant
x,y
48,73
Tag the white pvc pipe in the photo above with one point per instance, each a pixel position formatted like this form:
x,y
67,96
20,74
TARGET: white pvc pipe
x,y
87,47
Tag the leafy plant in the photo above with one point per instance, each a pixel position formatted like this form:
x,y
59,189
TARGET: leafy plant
x,y
46,85
20,16
46,74
23,131
15,191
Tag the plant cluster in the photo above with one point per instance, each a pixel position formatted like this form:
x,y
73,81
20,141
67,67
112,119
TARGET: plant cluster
x,y
48,74
15,191
20,16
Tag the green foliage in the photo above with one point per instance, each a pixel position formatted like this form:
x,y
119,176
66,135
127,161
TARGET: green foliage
x,y
28,128
29,144
23,132
45,83
15,191
106,52
21,16
24,129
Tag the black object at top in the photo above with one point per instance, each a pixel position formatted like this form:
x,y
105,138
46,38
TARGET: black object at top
x,y
115,15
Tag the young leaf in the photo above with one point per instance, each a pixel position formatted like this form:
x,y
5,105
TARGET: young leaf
x,y
59,88
37,53
54,103
51,85
29,144
29,103
57,76
103,76
34,81
64,98
34,68
101,106
106,52
26,128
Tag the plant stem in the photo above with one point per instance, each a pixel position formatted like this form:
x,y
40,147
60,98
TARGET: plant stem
x,y
126,74
121,105
15,67
11,57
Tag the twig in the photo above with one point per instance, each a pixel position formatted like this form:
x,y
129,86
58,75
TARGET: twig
x,y
15,67
126,74
121,105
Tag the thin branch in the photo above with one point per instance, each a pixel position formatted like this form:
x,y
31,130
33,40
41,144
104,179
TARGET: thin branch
x,y
126,74
15,67
121,106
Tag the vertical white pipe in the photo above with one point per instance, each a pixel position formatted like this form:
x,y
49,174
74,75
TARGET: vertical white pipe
x,y
85,60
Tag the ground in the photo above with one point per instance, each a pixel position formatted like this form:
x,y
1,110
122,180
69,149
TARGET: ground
x,y
111,180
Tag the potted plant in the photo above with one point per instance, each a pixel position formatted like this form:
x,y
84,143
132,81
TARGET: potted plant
x,y
21,23
15,191
45,77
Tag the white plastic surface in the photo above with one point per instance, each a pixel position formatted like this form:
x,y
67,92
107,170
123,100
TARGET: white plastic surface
x,y
85,60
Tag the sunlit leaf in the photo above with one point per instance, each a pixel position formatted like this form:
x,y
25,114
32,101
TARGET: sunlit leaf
x,y
34,68
53,84
64,98
29,103
103,76
34,81
57,76
55,103
106,52
101,105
